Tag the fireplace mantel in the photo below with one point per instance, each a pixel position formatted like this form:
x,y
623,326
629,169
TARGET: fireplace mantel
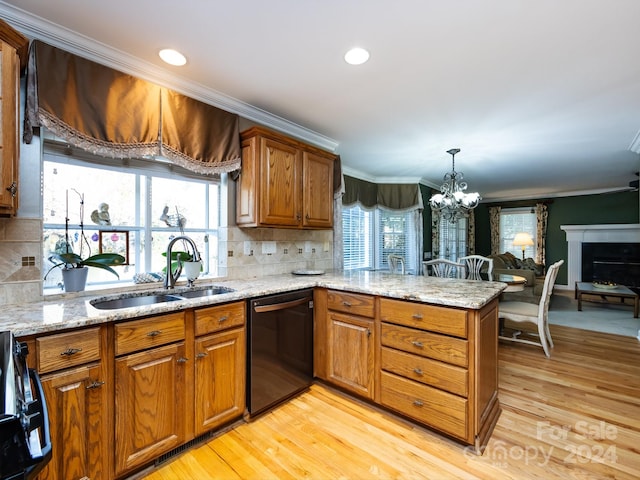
x,y
607,233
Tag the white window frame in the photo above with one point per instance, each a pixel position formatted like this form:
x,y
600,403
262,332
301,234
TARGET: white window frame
x,y
372,254
143,182
507,234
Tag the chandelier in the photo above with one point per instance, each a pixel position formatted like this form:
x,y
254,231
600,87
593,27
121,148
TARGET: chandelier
x,y
452,202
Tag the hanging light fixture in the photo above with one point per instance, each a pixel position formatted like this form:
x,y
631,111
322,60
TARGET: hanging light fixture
x,y
453,203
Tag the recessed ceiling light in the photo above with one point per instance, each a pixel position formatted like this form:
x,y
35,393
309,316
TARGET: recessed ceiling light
x,y
356,56
172,57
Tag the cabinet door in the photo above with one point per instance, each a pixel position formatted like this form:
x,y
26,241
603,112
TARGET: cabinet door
x,y
9,78
279,184
150,405
351,353
317,190
220,379
76,401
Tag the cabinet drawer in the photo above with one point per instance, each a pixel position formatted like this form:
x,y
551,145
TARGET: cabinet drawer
x,y
424,370
149,332
426,344
351,303
426,317
63,350
220,317
430,406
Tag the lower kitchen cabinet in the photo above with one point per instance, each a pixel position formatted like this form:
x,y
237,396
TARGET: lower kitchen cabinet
x,y
77,405
220,379
149,405
350,341
74,380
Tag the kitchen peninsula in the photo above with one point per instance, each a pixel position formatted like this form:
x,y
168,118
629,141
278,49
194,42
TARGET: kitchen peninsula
x,y
421,347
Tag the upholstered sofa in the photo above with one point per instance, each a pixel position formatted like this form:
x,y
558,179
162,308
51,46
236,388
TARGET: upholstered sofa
x,y
534,273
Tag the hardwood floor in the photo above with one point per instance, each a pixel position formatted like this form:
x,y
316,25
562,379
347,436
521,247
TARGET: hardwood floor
x,y
574,415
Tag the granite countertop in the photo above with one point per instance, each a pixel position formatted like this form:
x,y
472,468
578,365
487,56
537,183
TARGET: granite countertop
x,y
65,313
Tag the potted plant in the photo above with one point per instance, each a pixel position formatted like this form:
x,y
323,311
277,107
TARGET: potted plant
x,y
74,267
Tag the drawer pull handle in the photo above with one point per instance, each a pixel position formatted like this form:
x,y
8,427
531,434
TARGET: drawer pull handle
x,y
418,403
223,319
417,316
95,384
417,344
154,333
417,371
201,355
346,304
70,351
183,360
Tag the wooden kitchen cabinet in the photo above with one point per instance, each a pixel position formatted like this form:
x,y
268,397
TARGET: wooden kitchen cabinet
x,y
74,381
13,51
283,183
351,342
220,365
150,390
439,366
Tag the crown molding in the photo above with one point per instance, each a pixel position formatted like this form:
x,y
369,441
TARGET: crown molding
x,y
39,28
352,172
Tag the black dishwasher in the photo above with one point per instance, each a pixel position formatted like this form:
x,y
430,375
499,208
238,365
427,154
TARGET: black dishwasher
x,y
280,348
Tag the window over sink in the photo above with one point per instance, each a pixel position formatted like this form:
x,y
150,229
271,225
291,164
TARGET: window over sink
x,y
149,199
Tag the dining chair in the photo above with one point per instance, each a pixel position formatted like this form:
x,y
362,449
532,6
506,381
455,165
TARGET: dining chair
x,y
475,264
396,264
441,267
531,313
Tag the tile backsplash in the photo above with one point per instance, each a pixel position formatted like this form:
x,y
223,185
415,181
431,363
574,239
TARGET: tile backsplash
x,y
20,260
256,252
250,253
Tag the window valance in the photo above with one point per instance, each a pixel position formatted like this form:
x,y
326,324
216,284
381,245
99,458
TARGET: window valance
x,y
112,114
393,196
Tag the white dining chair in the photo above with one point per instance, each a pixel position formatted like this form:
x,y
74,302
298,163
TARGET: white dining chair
x,y
475,264
441,267
396,264
531,313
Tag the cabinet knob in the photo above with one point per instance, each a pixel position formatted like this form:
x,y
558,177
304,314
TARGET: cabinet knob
x,y
154,333
70,351
417,344
94,384
368,332
418,371
418,403
182,360
346,304
223,319
417,316
201,355
12,189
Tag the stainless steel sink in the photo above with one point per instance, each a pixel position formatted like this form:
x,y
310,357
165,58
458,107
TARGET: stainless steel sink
x,y
138,301
154,298
206,292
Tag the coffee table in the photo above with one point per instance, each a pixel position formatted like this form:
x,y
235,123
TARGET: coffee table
x,y
607,295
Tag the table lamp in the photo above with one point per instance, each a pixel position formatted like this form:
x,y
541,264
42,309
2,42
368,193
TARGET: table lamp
x,y
523,240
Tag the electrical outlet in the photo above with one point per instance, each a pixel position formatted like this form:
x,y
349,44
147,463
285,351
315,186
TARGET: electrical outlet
x,y
247,247
268,248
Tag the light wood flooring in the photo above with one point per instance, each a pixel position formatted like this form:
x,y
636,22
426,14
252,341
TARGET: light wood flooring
x,y
575,415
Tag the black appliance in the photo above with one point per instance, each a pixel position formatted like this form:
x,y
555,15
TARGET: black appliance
x,y
280,348
25,445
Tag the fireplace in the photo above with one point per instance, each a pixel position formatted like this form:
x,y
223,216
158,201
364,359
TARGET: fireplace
x,y
577,235
611,262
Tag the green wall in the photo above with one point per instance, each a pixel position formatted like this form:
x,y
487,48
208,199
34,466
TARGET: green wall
x,y
579,210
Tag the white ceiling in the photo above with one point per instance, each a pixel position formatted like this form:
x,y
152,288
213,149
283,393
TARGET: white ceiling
x,y
541,96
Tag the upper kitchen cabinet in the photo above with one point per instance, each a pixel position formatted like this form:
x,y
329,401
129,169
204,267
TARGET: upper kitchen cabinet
x,y
13,51
284,183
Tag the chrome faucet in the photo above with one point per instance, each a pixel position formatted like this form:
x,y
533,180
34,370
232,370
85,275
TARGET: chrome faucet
x,y
171,278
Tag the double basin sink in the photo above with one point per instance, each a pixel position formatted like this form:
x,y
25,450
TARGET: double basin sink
x,y
143,299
